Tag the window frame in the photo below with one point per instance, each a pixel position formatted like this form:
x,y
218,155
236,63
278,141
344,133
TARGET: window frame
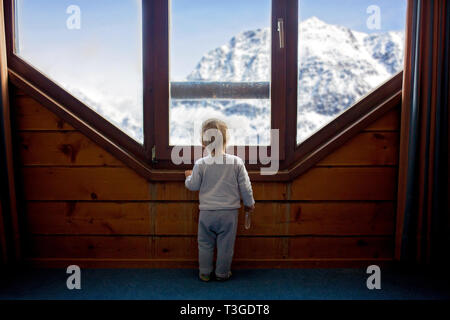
x,y
48,86
154,154
160,90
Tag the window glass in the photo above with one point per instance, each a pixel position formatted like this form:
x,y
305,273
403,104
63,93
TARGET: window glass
x,y
346,49
92,49
220,68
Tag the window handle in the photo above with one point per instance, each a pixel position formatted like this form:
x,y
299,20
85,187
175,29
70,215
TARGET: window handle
x,y
281,32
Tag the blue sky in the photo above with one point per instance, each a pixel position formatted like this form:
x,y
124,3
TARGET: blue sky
x,y
197,26
100,63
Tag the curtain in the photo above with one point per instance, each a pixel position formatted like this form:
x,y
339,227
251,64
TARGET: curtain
x,y
422,232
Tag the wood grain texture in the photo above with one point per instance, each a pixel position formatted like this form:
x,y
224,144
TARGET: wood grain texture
x,y
389,122
342,248
366,149
90,247
258,248
275,218
116,184
180,247
141,247
84,205
100,218
69,148
320,183
181,218
346,183
342,218
55,183
31,115
112,263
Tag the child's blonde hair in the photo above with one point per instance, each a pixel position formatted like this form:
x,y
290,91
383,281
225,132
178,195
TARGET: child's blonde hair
x,y
216,124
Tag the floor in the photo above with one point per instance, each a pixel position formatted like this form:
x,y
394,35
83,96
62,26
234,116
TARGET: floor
x,y
177,284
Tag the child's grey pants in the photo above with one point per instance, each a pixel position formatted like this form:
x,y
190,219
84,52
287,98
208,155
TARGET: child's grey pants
x,y
216,227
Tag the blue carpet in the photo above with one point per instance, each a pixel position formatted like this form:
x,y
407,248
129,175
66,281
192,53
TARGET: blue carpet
x,y
177,284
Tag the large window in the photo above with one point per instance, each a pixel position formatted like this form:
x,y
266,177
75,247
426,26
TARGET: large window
x,y
154,70
93,49
345,50
220,67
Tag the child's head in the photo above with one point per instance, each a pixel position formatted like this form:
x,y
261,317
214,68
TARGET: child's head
x,y
218,128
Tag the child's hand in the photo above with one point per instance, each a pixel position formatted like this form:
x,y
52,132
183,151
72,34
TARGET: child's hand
x,y
249,209
187,173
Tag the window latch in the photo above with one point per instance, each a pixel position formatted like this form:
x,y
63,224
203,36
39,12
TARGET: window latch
x,y
281,32
154,160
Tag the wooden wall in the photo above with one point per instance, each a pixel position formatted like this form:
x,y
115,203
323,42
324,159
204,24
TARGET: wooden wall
x,y
84,206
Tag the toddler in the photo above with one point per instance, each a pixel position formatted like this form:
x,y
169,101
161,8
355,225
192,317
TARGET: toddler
x,y
221,179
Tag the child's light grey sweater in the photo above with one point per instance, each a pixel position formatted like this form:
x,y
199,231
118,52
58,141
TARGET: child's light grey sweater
x,y
222,181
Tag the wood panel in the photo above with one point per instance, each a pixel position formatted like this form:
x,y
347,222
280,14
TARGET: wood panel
x,y
325,183
115,184
347,183
100,183
112,263
70,148
258,248
105,218
179,247
31,115
141,247
366,149
19,92
134,247
389,122
178,218
343,248
90,247
342,218
171,191
275,218
181,218
85,205
176,191
74,149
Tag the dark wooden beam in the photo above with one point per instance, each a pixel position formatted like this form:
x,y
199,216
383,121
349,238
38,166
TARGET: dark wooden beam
x,y
219,90
8,186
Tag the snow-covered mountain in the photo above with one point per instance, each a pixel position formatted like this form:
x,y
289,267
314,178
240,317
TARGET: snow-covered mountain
x,y
337,66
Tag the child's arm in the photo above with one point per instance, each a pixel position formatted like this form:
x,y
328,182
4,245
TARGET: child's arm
x,y
245,187
194,180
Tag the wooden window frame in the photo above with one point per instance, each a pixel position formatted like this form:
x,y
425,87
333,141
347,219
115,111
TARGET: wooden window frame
x,y
80,109
160,89
152,158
